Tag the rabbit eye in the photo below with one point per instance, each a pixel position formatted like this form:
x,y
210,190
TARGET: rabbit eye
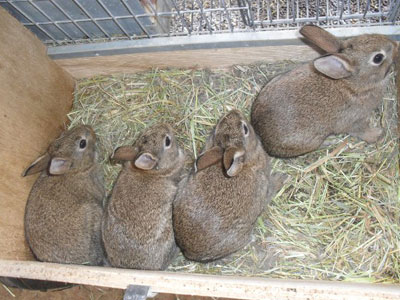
x,y
167,141
82,144
378,58
246,129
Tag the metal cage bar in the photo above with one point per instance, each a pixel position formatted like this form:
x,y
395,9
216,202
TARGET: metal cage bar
x,y
65,13
127,6
394,11
227,15
189,17
32,21
114,19
156,16
203,15
92,19
49,18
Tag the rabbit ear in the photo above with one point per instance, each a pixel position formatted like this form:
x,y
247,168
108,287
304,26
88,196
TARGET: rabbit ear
x,y
123,153
321,38
209,158
146,161
233,160
333,66
59,165
38,165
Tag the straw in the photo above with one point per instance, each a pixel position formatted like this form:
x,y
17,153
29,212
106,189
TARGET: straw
x,y
338,216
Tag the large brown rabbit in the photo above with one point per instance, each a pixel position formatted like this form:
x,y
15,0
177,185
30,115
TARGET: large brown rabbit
x,y
219,202
64,209
137,226
336,93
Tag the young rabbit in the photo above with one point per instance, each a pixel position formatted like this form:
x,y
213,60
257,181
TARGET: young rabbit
x,y
64,209
218,203
137,226
335,93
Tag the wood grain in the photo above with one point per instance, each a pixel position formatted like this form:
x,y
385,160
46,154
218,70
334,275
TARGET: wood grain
x,y
35,96
76,293
207,58
201,285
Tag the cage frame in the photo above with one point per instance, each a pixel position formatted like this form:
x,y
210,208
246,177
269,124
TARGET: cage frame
x,y
97,12
234,287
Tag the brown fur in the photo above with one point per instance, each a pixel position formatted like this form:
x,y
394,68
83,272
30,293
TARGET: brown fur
x,y
63,212
137,227
296,111
214,213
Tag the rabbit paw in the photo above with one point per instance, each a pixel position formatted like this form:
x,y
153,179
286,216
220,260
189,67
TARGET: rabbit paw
x,y
278,180
372,135
368,134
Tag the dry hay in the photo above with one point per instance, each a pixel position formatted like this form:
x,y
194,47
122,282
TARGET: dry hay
x,y
338,216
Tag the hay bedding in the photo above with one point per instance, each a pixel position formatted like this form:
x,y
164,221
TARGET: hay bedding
x,y
337,217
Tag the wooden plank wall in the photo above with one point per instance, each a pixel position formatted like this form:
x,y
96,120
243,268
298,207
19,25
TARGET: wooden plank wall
x,y
205,58
235,287
35,96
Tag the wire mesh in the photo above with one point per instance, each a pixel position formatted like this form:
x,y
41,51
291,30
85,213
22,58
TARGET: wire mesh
x,y
59,22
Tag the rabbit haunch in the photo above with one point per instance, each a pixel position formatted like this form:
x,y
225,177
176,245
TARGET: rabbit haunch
x,y
64,209
218,203
336,93
137,227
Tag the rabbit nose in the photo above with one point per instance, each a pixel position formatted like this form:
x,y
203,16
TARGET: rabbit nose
x,y
237,143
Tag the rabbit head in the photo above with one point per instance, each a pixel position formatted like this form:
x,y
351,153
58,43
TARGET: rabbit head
x,y
363,59
231,142
74,151
155,151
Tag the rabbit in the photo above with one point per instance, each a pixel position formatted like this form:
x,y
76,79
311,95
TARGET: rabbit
x,y
336,93
137,225
219,201
65,206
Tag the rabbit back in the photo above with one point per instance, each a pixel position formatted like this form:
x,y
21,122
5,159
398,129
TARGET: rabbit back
x,y
62,225
214,215
295,112
336,93
137,231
